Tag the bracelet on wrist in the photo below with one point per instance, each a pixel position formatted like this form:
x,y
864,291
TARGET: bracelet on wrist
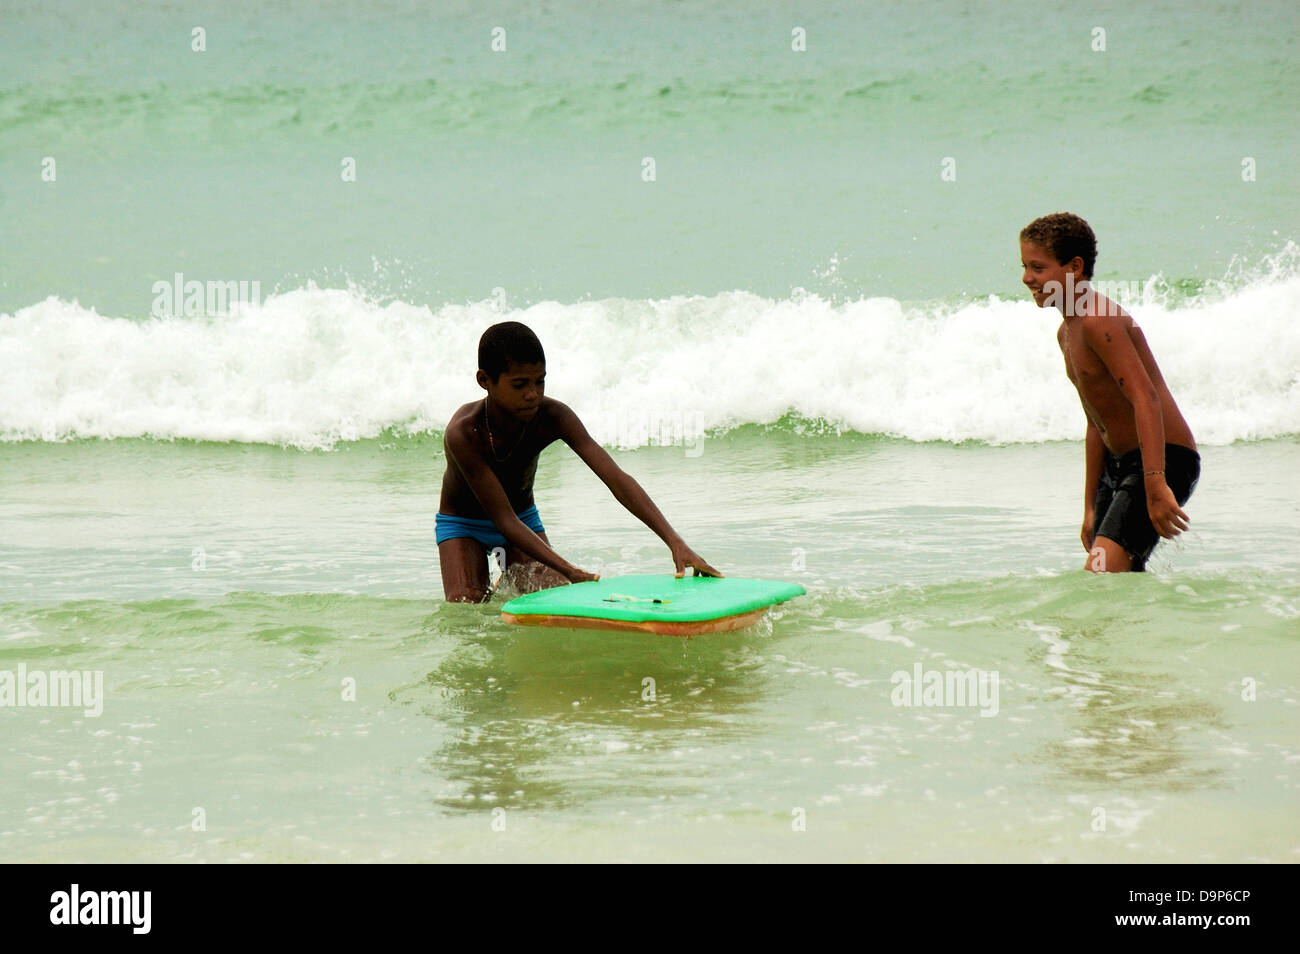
x,y
1152,473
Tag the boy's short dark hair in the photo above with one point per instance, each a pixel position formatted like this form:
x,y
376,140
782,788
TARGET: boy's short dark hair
x,y
506,343
1065,235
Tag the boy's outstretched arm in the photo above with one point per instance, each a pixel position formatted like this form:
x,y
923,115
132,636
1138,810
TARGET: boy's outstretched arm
x,y
493,498
627,491
1095,457
1109,337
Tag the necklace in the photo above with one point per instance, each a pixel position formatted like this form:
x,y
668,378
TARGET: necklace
x,y
493,444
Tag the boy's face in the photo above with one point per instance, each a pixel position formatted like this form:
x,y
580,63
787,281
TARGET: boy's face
x,y
1042,267
519,389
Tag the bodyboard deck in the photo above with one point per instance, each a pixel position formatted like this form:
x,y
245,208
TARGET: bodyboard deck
x,y
662,604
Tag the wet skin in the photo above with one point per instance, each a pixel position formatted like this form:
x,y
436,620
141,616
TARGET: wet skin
x,y
492,448
1124,396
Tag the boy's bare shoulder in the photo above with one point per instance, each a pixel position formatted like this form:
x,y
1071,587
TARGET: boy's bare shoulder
x,y
462,427
1102,307
560,418
556,409
1103,328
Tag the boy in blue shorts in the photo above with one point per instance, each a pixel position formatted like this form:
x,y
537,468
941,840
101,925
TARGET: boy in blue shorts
x,y
492,448
1142,464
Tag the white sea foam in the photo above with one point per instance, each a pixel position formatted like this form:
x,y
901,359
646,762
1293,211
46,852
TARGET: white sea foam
x,y
315,366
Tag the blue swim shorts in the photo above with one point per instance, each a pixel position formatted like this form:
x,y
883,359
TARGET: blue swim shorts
x,y
447,527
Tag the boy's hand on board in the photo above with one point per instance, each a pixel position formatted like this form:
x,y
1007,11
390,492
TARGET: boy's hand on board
x,y
581,576
1086,534
1162,507
684,556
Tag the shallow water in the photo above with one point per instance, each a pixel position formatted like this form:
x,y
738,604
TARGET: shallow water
x,y
224,685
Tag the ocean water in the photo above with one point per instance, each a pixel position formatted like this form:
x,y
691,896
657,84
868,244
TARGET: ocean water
x,y
808,344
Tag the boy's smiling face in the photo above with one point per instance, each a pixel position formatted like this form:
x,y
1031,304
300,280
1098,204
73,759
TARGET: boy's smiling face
x,y
1041,267
519,389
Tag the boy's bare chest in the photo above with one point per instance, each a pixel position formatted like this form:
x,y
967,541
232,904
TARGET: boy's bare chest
x,y
514,459
518,470
1082,364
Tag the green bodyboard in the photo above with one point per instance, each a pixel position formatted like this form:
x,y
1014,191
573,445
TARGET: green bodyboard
x,y
687,599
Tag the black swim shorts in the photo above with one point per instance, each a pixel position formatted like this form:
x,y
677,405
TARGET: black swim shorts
x,y
1121,502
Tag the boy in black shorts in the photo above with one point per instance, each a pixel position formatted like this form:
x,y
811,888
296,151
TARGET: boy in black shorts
x,y
1142,464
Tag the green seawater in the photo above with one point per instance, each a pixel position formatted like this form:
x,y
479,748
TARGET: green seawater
x,y
784,252
524,169
232,595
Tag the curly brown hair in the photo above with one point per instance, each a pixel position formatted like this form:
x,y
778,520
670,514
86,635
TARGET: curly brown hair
x,y
1065,235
